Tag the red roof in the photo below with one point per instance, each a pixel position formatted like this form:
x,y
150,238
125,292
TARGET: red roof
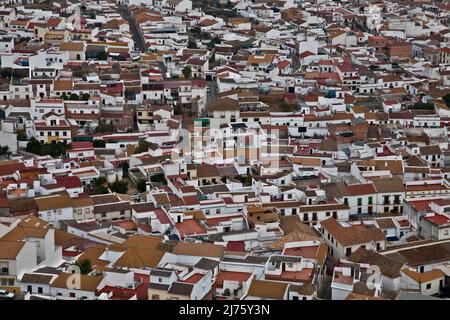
x,y
232,276
10,168
125,224
190,200
283,64
238,246
421,205
360,189
69,182
81,145
190,227
194,278
305,54
438,219
162,216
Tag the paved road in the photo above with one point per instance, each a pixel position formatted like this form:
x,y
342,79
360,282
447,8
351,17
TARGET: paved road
x,y
134,28
211,96
295,62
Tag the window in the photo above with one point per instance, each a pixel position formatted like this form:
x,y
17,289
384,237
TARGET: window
x,y
428,286
359,201
348,252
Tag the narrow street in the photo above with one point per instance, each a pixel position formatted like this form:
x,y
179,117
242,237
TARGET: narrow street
x,y
295,62
211,96
134,28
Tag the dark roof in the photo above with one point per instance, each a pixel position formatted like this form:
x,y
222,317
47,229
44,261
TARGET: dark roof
x,y
426,254
158,286
388,266
159,272
206,264
36,278
181,288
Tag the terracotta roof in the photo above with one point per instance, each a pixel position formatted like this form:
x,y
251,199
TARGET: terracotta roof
x,y
87,283
352,235
53,202
10,249
268,289
198,249
425,276
388,185
36,278
388,267
71,46
225,104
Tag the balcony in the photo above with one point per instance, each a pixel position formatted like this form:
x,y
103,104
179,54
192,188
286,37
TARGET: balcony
x,y
4,271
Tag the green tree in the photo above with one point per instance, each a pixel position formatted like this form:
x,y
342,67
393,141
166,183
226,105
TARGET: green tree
x,y
187,72
141,185
64,96
85,266
213,42
424,106
143,146
192,45
74,96
21,136
119,186
446,99
85,96
97,143
177,110
43,149
158,178
4,150
103,127
6,72
245,179
212,59
99,186
125,168
102,55
285,107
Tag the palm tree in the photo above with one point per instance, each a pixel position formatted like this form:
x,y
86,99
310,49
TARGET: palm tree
x,y
85,266
187,72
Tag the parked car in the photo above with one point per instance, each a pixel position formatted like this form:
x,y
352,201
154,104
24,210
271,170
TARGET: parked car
x,y
6,295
